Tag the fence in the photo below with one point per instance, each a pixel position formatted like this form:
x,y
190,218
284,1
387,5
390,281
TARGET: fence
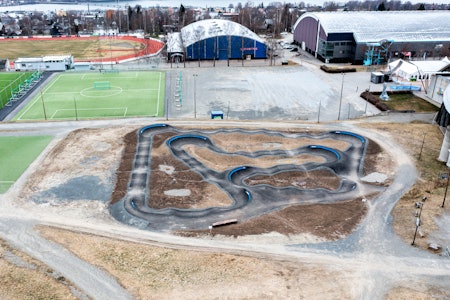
x,y
18,88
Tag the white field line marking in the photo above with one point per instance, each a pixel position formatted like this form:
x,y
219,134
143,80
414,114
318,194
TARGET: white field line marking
x,y
42,93
29,107
126,110
70,93
6,181
10,83
96,77
89,109
62,93
51,84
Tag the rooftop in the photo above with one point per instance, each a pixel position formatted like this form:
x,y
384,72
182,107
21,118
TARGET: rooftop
x,y
399,26
205,29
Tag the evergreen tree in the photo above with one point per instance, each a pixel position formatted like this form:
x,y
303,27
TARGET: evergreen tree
x,y
381,7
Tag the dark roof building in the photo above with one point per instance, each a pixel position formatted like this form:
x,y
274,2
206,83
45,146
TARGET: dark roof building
x,y
373,37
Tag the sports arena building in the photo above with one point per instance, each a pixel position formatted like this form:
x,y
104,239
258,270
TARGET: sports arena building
x,y
373,37
215,39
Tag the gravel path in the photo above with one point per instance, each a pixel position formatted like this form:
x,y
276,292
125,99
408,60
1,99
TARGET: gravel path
x,y
91,280
373,256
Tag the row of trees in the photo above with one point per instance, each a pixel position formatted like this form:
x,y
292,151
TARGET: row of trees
x,y
154,21
276,17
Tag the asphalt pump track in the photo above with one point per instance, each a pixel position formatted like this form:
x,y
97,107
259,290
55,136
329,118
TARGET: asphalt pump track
x,y
248,201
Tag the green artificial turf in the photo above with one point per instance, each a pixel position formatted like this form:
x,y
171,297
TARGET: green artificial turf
x,y
16,154
10,84
72,96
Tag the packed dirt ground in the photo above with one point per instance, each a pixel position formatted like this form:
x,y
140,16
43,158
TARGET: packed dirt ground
x,y
151,271
324,221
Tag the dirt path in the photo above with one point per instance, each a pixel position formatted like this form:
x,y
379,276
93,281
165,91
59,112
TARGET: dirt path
x,y
91,280
371,261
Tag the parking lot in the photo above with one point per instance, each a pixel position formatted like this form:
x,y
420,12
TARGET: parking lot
x,y
249,90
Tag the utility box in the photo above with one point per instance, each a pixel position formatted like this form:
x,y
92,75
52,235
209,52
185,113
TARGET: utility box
x,y
377,77
217,114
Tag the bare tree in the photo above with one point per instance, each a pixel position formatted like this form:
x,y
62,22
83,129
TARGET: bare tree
x,y
330,6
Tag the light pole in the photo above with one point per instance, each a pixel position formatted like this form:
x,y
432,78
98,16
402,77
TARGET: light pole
x,y
418,221
75,106
340,98
43,106
110,50
195,98
446,189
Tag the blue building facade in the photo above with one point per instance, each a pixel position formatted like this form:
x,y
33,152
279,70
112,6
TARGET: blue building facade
x,y
226,47
221,40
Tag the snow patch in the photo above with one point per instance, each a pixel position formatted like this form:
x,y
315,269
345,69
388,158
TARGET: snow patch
x,y
375,177
178,192
166,169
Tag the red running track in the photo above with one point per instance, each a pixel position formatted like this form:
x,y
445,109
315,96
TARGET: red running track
x,y
150,46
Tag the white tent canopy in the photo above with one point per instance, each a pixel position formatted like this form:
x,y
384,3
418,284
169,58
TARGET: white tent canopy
x,y
418,69
446,98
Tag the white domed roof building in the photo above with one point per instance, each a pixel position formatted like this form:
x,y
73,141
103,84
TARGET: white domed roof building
x,y
216,39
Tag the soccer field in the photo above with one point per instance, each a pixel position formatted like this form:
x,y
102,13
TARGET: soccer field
x,y
73,96
17,153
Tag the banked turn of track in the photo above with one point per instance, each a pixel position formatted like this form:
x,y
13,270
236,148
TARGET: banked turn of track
x,y
247,201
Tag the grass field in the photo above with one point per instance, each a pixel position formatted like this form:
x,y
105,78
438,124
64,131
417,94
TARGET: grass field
x,y
80,48
72,96
9,82
17,153
408,101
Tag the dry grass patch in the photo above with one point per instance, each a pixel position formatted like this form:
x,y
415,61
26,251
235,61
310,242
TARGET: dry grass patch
x,y
422,142
419,292
79,48
23,277
151,272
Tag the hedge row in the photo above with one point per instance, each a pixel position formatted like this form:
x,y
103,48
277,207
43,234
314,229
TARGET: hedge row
x,y
375,100
330,69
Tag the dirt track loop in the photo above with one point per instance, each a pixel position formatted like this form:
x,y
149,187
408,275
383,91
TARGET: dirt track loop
x,y
248,201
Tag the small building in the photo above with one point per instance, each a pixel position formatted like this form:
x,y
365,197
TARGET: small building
x,y
175,50
82,66
376,77
217,114
45,63
4,65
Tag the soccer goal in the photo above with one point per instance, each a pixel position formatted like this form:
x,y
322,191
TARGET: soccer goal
x,y
102,85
